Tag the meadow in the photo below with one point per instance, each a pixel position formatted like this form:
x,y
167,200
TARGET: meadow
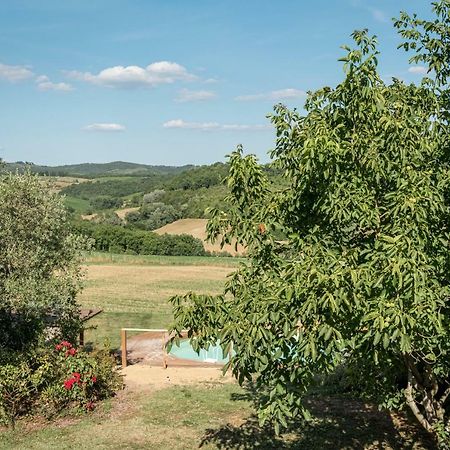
x,y
134,291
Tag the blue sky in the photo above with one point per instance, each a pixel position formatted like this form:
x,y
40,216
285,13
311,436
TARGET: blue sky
x,y
171,81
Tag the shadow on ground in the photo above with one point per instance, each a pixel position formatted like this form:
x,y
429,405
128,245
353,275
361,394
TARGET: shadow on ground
x,y
340,423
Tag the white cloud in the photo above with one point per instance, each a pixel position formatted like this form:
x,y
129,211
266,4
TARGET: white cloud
x,y
211,80
44,84
212,126
281,94
161,72
378,15
15,73
186,95
108,127
418,70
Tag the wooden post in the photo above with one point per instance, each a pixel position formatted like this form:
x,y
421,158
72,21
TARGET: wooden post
x,y
123,335
164,350
82,337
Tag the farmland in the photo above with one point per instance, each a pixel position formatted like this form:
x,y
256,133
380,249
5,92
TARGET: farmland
x,y
133,291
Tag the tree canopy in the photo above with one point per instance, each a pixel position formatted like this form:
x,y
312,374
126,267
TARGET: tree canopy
x,y
361,278
40,271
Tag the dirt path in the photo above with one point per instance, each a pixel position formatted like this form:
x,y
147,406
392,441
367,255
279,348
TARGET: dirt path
x,y
140,376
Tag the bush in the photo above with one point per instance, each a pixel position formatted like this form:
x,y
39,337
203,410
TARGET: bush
x,y
152,216
54,379
106,202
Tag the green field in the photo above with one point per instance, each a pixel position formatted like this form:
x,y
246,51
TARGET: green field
x,y
79,205
133,291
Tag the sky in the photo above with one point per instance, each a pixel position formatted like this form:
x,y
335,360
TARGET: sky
x,y
172,82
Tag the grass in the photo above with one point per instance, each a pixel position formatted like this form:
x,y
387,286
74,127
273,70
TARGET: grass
x,y
79,205
96,258
214,415
134,291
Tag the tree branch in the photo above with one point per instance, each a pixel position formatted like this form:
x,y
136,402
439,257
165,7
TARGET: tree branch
x,y
413,406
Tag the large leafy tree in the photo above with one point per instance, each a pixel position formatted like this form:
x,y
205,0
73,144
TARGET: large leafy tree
x,y
361,276
40,271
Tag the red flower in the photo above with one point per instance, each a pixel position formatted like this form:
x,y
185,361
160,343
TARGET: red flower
x,y
94,379
66,344
69,383
77,376
58,347
71,352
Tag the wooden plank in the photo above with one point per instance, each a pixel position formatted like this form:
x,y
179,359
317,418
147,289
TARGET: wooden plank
x,y
124,347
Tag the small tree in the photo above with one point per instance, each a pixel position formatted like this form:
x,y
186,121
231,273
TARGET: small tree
x,y
40,272
362,276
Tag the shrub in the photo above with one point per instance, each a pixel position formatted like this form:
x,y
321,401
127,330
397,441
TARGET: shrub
x,y
54,379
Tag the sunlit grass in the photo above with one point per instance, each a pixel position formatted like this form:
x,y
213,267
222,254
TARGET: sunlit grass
x,y
134,291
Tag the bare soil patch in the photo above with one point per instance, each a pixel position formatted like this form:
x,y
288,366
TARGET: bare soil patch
x,y
140,376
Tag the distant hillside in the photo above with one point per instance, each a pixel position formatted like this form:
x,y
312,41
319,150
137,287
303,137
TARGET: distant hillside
x,y
197,228
116,168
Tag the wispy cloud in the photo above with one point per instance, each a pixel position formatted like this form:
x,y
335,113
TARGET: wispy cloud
x,y
161,72
378,15
106,127
420,70
44,84
213,126
186,95
281,94
15,73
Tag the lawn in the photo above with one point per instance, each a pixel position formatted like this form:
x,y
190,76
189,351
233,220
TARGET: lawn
x,y
133,291
214,415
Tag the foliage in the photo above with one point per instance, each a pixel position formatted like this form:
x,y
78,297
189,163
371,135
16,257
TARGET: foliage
x,y
107,218
199,177
105,202
117,239
362,276
89,170
40,271
52,379
152,216
154,196
119,187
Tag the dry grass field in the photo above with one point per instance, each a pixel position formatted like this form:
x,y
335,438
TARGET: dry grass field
x,y
59,183
134,291
197,228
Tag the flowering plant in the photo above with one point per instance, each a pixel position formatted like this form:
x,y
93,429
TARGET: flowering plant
x,y
80,383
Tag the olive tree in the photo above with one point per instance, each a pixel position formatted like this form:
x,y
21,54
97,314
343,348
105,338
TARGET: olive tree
x,y
40,272
362,275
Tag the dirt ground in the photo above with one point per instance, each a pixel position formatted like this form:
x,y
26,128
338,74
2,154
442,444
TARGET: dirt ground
x,y
140,376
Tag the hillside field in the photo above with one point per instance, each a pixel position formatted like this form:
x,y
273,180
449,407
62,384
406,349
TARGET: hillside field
x,y
197,228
